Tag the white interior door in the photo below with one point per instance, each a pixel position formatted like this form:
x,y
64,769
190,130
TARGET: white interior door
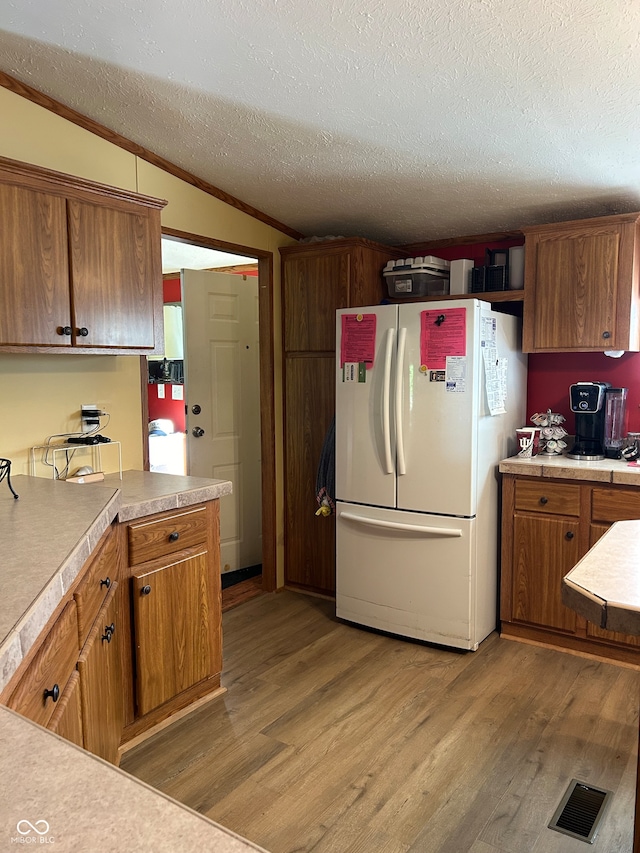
x,y
222,378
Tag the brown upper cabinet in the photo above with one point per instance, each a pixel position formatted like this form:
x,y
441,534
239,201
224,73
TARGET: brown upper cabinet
x,y
582,288
80,265
319,278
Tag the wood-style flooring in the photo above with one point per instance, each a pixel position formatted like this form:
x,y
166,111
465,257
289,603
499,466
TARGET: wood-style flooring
x,y
334,739
237,594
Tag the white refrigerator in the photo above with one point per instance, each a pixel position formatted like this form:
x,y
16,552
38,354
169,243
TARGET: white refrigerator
x,y
428,399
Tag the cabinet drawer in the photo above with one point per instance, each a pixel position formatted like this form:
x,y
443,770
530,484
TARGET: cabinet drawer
x,y
611,505
96,583
550,498
160,536
51,668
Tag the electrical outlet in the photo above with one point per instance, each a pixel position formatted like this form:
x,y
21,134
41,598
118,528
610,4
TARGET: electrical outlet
x,y
90,417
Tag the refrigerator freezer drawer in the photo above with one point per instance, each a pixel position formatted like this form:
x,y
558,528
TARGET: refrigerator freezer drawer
x,y
410,574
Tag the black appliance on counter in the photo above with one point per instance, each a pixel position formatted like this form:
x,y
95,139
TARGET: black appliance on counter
x,y
587,400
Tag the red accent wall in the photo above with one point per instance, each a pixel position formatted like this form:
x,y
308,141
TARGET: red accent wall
x,y
171,290
550,375
473,251
166,408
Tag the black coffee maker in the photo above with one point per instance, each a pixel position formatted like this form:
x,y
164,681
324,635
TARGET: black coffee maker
x,y
587,401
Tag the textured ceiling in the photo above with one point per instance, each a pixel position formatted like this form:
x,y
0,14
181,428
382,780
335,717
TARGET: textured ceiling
x,y
398,120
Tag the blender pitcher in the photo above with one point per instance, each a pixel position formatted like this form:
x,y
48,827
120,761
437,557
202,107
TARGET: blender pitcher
x,y
614,422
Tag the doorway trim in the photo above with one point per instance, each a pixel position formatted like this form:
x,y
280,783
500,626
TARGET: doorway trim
x,y
267,391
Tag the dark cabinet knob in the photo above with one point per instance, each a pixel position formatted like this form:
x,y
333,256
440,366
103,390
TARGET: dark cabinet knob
x,y
83,332
173,537
107,636
145,590
111,628
54,693
568,535
64,330
606,335
106,582
544,500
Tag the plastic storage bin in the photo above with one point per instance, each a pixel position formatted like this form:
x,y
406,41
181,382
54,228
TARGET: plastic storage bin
x,y
428,276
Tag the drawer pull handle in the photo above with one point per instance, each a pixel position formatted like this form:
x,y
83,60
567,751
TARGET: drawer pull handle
x,y
106,582
82,331
173,537
54,693
145,590
64,330
544,500
107,635
568,535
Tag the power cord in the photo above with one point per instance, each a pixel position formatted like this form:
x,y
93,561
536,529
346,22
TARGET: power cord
x,y
63,474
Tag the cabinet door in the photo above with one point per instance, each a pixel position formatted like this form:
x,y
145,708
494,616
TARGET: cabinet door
x,y
114,272
34,272
67,718
545,549
313,288
177,626
576,284
100,668
309,407
42,684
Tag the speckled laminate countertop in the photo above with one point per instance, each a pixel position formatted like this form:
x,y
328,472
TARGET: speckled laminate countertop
x,y
81,804
561,467
50,531
57,793
143,493
604,586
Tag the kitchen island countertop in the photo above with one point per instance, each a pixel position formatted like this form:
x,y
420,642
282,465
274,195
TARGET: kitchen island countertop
x,y
604,586
49,533
57,793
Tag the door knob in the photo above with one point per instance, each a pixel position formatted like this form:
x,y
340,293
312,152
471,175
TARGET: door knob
x,y
197,432
195,410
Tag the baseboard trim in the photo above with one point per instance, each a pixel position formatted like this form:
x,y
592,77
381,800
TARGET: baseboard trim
x,y
228,579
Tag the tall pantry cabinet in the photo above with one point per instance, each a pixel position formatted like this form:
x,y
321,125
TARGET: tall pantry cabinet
x,y
317,279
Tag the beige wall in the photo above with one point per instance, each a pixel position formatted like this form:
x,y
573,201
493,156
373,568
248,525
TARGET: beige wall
x,y
41,395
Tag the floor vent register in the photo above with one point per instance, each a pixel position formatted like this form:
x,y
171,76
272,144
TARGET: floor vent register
x,y
581,811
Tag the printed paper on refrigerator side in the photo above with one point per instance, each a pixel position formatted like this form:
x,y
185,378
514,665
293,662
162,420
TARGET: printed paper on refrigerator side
x,y
495,379
456,374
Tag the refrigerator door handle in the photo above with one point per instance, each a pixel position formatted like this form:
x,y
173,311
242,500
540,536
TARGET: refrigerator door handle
x,y
386,392
397,525
402,341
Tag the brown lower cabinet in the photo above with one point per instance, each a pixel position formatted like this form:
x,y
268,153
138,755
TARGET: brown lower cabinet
x,y
179,594
547,527
102,696
133,642
67,717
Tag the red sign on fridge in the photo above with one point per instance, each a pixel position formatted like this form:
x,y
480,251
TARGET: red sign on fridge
x,y
442,333
358,342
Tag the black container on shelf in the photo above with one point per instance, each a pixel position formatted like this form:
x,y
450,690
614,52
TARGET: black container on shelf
x,y
477,279
496,277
